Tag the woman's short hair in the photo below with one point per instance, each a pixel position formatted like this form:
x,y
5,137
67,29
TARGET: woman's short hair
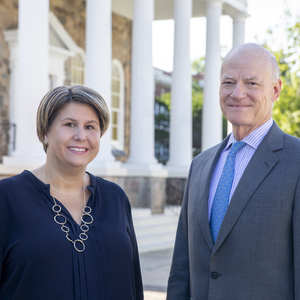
x,y
56,98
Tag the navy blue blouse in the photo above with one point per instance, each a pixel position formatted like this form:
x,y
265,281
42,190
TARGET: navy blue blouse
x,y
37,262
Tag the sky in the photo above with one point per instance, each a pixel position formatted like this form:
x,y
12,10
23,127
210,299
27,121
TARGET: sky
x,y
264,14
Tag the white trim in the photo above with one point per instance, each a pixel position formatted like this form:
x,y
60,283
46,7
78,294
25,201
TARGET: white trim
x,y
64,35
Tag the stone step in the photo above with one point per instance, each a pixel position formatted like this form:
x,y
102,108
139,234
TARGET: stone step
x,y
155,232
166,244
155,228
154,220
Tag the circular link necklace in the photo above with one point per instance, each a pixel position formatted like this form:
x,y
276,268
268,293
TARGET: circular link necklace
x,y
86,219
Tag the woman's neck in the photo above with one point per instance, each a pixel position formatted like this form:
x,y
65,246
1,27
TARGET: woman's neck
x,y
62,180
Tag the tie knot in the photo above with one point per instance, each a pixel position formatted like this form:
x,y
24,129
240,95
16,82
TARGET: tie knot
x,y
236,146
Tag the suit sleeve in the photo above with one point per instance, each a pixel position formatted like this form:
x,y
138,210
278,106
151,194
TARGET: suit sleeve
x,y
296,241
179,279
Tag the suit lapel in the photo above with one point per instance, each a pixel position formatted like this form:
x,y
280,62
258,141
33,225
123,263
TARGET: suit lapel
x,y
203,190
258,168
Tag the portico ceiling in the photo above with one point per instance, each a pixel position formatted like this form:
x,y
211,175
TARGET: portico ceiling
x,y
164,8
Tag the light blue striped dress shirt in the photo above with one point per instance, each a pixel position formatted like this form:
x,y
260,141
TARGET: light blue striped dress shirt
x,y
241,160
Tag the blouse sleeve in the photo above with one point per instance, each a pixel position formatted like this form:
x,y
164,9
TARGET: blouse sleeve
x,y
1,248
136,260
1,232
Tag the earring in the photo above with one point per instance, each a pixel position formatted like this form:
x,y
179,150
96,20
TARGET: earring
x,y
46,144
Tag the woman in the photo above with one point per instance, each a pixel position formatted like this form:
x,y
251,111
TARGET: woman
x,y
65,234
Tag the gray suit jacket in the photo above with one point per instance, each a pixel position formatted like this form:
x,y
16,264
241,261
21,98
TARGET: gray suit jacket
x,y
257,253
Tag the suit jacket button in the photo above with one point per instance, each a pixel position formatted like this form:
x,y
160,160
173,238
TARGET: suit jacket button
x,y
214,275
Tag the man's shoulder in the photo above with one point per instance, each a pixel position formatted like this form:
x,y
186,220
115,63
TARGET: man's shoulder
x,y
291,145
206,156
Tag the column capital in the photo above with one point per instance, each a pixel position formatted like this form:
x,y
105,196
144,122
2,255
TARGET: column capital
x,y
240,16
214,2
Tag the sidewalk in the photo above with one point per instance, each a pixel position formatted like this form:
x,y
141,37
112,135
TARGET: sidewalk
x,y
155,268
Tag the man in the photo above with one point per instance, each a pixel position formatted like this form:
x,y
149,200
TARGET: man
x,y
248,245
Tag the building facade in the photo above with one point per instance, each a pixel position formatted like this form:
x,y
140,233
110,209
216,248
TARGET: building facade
x,y
107,45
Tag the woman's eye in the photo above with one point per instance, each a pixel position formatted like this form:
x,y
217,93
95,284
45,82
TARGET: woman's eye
x,y
89,127
70,124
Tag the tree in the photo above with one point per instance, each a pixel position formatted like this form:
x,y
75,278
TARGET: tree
x,y
286,110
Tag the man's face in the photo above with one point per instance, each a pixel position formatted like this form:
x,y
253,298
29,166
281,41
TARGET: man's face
x,y
247,91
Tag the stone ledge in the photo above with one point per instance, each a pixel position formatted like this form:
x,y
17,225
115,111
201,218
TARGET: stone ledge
x,y
121,171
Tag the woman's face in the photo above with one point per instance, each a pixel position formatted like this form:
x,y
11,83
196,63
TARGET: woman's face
x,y
74,136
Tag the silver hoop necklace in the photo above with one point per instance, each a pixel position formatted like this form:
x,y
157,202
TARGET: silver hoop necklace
x,y
86,218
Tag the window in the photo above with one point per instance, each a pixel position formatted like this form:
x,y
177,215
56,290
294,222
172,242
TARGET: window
x,y
77,70
117,105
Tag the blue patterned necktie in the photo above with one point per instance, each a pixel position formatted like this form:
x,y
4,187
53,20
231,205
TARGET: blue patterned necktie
x,y
221,198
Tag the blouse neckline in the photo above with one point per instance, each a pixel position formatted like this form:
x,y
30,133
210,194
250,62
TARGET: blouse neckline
x,y
46,186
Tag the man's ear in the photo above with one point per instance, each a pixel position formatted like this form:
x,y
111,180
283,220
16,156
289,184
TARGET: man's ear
x,y
277,86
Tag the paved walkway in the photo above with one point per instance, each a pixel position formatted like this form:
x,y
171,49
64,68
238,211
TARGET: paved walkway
x,y
155,268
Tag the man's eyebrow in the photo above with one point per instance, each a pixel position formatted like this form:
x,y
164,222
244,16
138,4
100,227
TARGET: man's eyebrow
x,y
226,77
252,78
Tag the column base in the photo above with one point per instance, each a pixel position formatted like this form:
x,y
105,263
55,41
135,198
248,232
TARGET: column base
x,y
30,161
177,171
97,164
145,169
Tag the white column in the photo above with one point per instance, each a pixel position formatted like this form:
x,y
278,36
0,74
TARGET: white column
x,y
98,64
33,79
212,117
181,99
238,38
238,34
142,86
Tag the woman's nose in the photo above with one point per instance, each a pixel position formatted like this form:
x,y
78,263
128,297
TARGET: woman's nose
x,y
80,134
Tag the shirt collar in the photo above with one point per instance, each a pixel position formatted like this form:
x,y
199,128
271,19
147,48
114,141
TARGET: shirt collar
x,y
254,138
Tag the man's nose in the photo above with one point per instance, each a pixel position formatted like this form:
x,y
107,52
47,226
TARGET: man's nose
x,y
239,91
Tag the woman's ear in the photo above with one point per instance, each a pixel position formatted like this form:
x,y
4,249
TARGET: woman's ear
x,y
46,139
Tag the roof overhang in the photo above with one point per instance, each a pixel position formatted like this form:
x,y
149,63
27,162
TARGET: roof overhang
x,y
164,8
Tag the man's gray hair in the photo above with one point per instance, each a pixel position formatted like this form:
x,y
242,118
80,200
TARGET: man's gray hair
x,y
275,68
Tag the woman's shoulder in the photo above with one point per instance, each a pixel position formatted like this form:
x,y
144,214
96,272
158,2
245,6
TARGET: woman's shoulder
x,y
14,181
106,184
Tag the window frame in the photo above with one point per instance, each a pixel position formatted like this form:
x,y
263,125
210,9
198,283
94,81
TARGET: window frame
x,y
119,142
